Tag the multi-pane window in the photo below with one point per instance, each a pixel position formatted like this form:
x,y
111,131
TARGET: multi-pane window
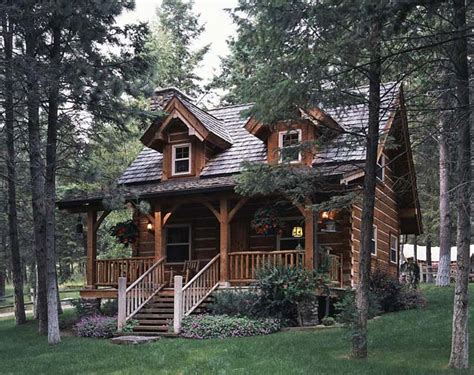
x,y
177,243
373,245
181,159
393,248
289,144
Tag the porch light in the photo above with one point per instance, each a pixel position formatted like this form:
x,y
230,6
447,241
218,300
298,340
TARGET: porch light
x,y
297,232
149,227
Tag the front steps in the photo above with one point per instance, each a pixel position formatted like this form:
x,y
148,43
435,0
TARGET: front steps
x,y
156,317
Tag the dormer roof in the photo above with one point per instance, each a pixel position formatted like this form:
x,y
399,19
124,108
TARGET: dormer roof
x,y
200,124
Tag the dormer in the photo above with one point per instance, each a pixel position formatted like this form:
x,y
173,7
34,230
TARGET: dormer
x,y
293,141
186,135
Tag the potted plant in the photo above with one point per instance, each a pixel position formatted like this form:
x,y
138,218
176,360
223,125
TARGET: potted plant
x,y
266,221
125,232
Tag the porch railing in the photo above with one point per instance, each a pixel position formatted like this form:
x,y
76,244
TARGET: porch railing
x,y
189,297
109,270
243,264
140,292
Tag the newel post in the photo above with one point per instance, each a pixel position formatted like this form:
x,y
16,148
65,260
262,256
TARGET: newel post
x,y
178,303
224,241
122,300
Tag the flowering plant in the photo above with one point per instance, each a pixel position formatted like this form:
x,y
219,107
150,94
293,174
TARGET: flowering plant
x,y
267,221
126,232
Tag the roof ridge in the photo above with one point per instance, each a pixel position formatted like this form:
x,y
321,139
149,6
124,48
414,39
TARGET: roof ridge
x,y
231,106
203,110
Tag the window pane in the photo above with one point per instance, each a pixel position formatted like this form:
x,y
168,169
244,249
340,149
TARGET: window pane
x,y
290,146
291,244
290,139
177,253
181,166
182,152
177,235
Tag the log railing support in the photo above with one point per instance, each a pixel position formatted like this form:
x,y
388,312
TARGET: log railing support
x,y
158,223
122,297
178,303
91,248
224,240
309,239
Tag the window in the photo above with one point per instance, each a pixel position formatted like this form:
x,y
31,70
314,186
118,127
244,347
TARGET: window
x,y
285,240
373,247
178,243
393,248
288,142
181,159
380,171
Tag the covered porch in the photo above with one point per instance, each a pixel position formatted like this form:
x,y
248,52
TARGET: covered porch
x,y
181,230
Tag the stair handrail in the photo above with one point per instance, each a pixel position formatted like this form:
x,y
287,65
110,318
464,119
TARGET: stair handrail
x,y
140,292
201,286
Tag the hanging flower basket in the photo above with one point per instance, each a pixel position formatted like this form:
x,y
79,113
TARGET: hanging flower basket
x,y
266,221
125,232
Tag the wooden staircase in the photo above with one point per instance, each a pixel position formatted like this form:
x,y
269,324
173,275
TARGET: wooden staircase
x,y
156,317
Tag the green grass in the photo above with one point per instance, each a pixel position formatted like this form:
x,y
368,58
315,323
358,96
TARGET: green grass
x,y
409,342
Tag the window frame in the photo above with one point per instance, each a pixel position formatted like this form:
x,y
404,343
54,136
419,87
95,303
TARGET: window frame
x,y
397,249
374,239
281,134
381,164
167,227
173,159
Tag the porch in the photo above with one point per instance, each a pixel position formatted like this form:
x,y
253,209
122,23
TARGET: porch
x,y
242,268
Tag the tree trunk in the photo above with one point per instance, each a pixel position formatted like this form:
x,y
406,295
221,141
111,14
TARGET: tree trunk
x,y
50,185
37,175
359,339
20,316
444,265
460,337
429,268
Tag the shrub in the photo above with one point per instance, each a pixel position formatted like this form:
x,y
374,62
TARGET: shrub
x,y
235,303
86,307
128,328
346,308
282,288
328,321
109,307
411,299
221,326
96,326
387,289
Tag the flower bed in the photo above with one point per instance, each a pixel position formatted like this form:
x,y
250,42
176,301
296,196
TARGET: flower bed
x,y
96,326
221,326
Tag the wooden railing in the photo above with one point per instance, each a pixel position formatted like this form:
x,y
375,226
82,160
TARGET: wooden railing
x,y
189,297
201,285
335,269
109,270
140,292
243,264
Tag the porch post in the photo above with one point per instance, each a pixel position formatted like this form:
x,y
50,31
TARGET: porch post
x,y
178,303
91,248
309,239
224,240
159,251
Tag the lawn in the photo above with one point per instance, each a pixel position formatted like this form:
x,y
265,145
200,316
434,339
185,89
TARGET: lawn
x,y
409,342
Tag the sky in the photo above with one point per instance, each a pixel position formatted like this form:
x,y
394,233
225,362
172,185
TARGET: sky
x,y
219,28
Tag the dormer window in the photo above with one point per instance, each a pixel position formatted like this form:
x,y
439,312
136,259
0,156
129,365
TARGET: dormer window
x,y
288,143
181,159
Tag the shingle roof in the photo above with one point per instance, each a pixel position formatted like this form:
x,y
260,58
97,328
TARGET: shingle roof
x,y
210,122
229,122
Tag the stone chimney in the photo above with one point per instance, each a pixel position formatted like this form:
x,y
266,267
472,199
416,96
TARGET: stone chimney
x,y
162,96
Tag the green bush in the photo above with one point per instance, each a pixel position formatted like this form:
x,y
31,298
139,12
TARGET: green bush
x,y
328,321
282,288
235,303
85,307
221,326
109,307
346,308
96,326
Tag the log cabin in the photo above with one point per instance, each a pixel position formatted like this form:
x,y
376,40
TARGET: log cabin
x,y
187,172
